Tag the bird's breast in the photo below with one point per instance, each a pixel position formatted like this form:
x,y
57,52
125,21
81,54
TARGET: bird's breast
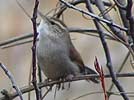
x,y
51,57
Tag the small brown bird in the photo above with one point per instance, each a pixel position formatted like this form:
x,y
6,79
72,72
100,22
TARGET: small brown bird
x,y
56,55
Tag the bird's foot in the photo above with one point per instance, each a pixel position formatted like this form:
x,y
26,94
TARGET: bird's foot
x,y
69,77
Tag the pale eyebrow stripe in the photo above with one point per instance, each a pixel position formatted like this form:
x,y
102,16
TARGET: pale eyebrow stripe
x,y
59,21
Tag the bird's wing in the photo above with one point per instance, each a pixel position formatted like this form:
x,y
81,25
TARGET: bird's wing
x,y
76,58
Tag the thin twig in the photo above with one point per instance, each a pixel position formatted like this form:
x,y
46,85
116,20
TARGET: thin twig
x,y
123,13
34,79
15,39
23,9
107,53
14,85
50,88
130,18
17,44
109,37
29,81
100,92
76,2
27,89
116,31
120,5
40,79
119,70
9,42
93,15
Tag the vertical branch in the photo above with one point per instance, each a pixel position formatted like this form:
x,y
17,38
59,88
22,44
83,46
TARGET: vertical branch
x,y
122,12
115,30
7,72
40,79
107,53
34,80
119,70
130,18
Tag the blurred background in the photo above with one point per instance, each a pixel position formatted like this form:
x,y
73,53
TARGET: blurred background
x,y
14,22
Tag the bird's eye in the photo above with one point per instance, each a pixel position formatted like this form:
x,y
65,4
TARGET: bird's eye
x,y
53,23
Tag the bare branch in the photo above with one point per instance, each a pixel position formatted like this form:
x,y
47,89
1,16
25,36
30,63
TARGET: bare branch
x,y
93,15
107,53
15,39
120,69
100,92
14,85
130,18
121,6
116,31
123,13
27,89
34,80
19,39
76,2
